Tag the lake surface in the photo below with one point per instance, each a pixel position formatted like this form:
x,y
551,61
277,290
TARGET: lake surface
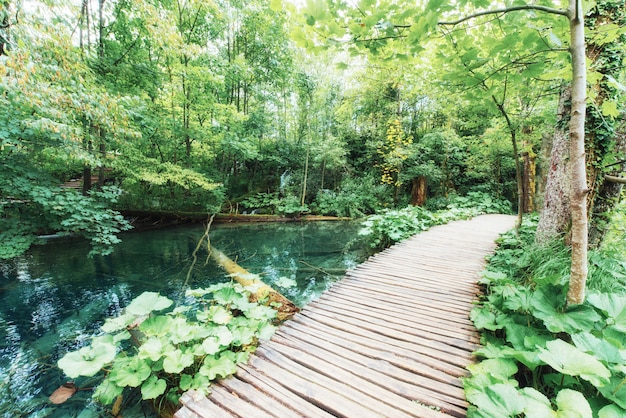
x,y
55,297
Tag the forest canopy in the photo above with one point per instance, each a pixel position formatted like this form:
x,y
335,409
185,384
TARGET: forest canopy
x,y
284,108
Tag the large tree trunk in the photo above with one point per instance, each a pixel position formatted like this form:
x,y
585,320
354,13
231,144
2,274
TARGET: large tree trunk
x,y
556,213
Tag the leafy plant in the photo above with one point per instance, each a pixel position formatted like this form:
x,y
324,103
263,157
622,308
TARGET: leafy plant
x,y
163,353
540,357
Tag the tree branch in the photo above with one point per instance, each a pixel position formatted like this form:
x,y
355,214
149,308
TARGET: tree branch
x,y
507,10
615,179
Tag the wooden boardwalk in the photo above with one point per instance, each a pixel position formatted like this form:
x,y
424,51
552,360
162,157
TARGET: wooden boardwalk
x,y
391,339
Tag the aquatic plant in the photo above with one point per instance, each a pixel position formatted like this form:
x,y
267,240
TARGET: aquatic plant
x,y
163,352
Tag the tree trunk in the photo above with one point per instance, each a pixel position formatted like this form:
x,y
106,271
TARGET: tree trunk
x,y
578,277
556,213
607,196
418,191
606,135
528,182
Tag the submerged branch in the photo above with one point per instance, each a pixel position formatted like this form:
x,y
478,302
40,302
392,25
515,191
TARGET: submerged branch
x,y
261,292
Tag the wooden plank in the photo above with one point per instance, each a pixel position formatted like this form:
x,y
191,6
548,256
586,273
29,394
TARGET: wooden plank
x,y
370,295
379,372
404,312
197,405
423,297
408,325
256,396
446,343
348,373
235,404
398,317
274,388
451,363
419,360
327,394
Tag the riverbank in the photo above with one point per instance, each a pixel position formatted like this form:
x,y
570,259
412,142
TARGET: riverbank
x,y
143,220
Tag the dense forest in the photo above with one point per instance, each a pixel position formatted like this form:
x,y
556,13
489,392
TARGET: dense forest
x,y
195,107
229,106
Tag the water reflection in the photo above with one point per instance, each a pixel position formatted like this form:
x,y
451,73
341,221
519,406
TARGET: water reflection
x,y
54,298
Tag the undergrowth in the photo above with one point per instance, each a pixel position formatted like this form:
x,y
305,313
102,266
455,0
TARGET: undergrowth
x,y
540,358
391,226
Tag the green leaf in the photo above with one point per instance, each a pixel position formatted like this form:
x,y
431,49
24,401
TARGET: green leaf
x,y
154,349
601,349
613,306
130,372
276,5
266,330
262,313
577,318
609,108
185,381
615,390
212,367
153,387
567,359
499,400
484,318
612,411
572,404
243,336
219,315
211,346
497,368
89,360
107,392
148,302
176,361
536,404
158,326
119,322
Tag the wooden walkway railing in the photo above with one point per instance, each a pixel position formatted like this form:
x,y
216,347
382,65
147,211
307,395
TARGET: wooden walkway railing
x,y
391,339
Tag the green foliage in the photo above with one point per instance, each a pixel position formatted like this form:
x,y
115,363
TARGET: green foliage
x,y
391,226
355,198
165,352
562,361
34,205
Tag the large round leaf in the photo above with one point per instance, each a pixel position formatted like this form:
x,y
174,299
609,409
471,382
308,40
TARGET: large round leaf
x,y
148,302
130,372
153,387
89,360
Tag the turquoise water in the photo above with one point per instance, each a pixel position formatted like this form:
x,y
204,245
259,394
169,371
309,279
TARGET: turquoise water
x,y
55,297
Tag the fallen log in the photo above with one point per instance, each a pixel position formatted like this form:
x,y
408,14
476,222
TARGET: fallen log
x,y
261,292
